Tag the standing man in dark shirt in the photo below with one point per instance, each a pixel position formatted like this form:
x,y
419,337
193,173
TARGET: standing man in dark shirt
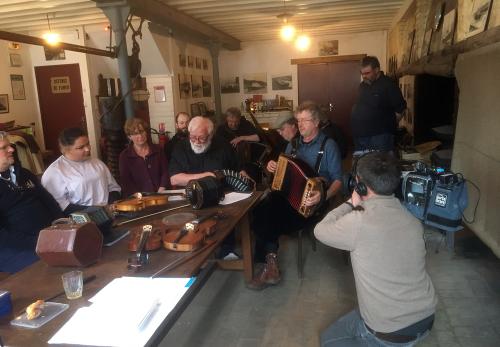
x,y
181,132
378,109
25,208
200,154
237,128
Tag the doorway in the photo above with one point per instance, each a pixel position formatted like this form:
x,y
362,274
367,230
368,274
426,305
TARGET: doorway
x,y
333,86
61,101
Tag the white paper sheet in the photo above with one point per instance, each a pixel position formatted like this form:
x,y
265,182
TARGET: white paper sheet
x,y
233,197
124,313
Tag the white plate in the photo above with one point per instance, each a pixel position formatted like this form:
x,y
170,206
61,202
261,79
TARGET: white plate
x,y
50,310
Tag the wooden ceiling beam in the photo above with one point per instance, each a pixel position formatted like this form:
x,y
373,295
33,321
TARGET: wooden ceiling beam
x,y
164,15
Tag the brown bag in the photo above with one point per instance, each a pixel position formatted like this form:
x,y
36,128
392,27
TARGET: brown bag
x,y
70,244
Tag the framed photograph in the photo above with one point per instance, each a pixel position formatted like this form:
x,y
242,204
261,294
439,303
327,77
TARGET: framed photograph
x,y
15,60
54,53
182,60
196,86
190,61
289,104
206,82
198,62
448,28
478,17
202,107
255,83
184,86
205,64
4,103
230,85
17,83
282,82
328,47
160,95
195,110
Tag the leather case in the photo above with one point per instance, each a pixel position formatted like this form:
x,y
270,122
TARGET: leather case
x,y
70,244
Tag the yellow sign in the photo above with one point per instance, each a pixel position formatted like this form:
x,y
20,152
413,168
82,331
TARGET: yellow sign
x,y
60,85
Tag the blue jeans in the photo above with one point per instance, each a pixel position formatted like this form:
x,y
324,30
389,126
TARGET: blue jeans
x,y
350,331
381,142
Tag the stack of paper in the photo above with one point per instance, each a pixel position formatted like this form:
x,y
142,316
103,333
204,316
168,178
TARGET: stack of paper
x,y
124,313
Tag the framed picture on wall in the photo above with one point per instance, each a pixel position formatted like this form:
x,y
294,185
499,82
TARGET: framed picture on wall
x,y
15,60
190,61
182,60
17,84
195,109
478,17
198,63
205,64
448,28
4,103
206,82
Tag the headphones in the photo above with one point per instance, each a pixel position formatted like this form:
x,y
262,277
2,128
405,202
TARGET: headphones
x,y
357,185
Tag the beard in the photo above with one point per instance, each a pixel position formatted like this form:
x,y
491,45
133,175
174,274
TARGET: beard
x,y
200,148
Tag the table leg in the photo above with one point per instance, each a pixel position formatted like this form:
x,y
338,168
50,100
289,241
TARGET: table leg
x,y
246,247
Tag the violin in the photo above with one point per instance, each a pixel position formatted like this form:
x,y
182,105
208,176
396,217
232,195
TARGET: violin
x,y
139,201
152,241
192,235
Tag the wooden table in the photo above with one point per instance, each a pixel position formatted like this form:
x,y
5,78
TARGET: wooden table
x,y
41,281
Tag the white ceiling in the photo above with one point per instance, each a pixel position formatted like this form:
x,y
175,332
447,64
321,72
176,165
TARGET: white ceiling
x,y
246,20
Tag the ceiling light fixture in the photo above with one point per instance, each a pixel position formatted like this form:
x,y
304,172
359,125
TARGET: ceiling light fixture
x,y
302,42
51,38
287,31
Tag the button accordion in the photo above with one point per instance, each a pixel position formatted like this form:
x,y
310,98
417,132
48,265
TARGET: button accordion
x,y
295,179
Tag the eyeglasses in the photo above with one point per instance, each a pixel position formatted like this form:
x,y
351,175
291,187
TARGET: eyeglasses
x,y
304,120
200,139
138,132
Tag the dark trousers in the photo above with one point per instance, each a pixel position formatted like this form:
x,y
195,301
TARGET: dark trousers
x,y
273,217
381,142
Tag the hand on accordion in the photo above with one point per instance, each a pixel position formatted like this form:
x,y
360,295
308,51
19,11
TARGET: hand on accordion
x,y
271,166
314,198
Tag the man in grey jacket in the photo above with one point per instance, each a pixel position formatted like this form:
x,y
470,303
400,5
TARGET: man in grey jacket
x,y
395,294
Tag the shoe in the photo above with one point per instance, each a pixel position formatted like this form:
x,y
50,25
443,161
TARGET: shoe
x,y
231,256
268,276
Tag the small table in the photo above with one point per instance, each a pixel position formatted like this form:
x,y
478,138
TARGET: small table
x,y
42,281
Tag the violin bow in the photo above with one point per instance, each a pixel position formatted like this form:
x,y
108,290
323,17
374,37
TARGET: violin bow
x,y
150,215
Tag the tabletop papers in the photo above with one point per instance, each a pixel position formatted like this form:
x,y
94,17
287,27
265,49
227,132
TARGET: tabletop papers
x,y
124,313
231,198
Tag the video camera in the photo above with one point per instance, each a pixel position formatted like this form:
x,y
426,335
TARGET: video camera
x,y
435,196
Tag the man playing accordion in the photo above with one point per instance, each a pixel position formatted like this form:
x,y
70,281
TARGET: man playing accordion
x,y
274,215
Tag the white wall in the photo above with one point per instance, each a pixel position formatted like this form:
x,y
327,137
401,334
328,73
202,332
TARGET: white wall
x,y
273,58
476,152
24,112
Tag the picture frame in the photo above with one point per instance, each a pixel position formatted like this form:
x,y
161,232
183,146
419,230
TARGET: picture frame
x,y
15,60
195,109
17,84
206,83
448,30
203,108
196,86
330,47
4,103
160,95
205,64
478,17
190,61
198,63
182,60
230,85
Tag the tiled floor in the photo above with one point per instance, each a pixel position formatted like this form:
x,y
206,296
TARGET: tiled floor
x,y
293,313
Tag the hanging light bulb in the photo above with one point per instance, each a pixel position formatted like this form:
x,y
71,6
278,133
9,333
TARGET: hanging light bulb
x,y
302,43
51,38
287,32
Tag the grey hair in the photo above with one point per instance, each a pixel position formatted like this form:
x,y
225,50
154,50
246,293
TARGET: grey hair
x,y
200,122
3,135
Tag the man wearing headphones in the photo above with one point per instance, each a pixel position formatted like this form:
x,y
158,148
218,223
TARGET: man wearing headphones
x,y
395,294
